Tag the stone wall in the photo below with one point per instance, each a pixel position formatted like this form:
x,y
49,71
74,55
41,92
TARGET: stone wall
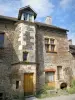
x,y
6,55
24,40
28,32
61,57
28,37
17,74
39,59
17,44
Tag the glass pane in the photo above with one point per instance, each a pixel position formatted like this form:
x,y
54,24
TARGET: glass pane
x,y
25,56
46,41
51,41
49,76
30,17
25,16
47,47
1,40
52,47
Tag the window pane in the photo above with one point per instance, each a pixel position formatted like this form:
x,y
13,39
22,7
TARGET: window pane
x,y
49,76
1,40
47,47
25,16
30,17
52,47
46,41
51,41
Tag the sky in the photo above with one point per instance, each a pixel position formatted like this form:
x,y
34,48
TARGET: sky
x,y
61,11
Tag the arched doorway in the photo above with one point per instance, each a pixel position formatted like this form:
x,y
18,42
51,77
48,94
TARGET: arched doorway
x,y
63,85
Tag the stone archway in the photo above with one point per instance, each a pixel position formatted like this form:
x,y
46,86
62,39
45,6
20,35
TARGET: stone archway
x,y
63,85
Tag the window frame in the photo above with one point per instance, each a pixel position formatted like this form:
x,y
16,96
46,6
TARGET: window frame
x,y
25,52
50,45
2,46
50,78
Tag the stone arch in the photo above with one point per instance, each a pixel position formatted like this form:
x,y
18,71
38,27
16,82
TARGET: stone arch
x,y
63,85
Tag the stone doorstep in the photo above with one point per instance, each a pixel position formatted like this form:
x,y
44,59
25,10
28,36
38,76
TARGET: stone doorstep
x,y
52,91
31,98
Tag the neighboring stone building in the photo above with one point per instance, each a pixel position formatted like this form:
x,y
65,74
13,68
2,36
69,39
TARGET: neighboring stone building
x,y
32,54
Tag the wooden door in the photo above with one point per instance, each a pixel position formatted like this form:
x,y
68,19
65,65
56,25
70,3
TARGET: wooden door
x,y
28,84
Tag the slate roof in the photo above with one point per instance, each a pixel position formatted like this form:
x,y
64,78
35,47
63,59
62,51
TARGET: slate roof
x,y
37,23
51,26
8,18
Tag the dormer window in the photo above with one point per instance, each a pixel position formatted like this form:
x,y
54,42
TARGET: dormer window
x,y
27,13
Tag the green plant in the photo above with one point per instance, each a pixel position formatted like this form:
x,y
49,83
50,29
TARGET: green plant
x,y
42,93
46,87
71,90
73,83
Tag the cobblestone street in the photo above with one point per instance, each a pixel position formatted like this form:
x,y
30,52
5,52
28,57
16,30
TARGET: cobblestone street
x,y
67,97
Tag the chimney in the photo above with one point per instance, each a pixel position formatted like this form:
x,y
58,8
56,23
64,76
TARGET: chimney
x,y
70,42
48,20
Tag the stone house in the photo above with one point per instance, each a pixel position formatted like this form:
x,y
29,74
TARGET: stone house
x,y
33,53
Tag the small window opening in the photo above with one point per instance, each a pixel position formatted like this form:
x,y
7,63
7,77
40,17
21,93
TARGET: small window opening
x,y
59,72
25,56
1,96
17,84
1,40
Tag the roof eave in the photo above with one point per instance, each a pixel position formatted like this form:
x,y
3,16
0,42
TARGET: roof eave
x,y
8,18
51,26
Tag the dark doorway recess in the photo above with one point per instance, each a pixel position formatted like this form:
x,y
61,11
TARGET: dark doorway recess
x,y
63,85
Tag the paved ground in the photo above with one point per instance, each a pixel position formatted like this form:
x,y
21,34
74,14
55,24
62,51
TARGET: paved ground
x,y
67,97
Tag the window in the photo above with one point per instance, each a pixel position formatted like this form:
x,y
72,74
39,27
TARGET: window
x,y
17,84
25,55
49,45
49,77
1,40
59,72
